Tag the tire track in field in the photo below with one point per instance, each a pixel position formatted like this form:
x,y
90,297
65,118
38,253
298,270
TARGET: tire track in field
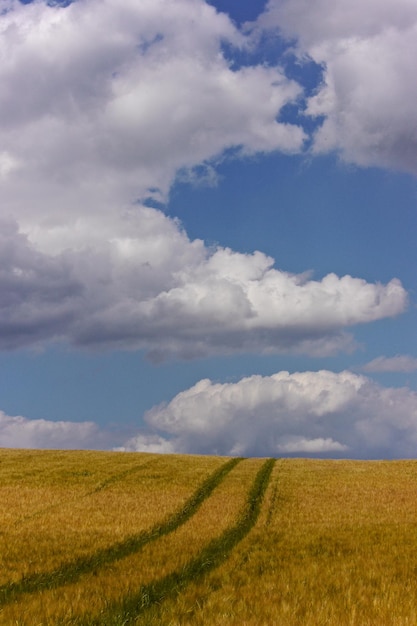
x,y
117,477
214,554
72,571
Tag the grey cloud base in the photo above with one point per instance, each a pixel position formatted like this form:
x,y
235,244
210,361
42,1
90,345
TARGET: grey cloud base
x,y
152,288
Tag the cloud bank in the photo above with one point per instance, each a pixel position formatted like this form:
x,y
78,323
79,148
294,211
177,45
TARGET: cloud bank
x,y
307,414
367,50
102,104
304,414
151,288
20,432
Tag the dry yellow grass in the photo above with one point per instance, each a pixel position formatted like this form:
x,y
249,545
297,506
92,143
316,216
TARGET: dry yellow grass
x,y
336,544
94,592
57,506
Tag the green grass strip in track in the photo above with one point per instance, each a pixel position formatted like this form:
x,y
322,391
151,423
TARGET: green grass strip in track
x,y
72,571
214,554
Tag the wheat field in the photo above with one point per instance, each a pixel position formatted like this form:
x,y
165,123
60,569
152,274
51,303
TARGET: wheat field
x,y
115,538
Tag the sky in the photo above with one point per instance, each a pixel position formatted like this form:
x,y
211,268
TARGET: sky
x,y
208,214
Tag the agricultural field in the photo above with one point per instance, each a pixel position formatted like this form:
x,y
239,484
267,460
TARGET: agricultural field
x,y
106,538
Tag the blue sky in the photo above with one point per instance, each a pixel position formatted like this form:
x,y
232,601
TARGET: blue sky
x,y
179,180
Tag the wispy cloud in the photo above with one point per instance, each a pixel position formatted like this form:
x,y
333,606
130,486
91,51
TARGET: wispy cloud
x,y
398,363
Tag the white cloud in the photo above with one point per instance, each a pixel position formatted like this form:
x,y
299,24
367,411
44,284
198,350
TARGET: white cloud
x,y
321,413
20,432
300,445
103,102
147,443
311,413
398,363
152,288
367,49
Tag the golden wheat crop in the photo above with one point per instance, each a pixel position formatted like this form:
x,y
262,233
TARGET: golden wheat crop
x,y
57,506
336,543
94,592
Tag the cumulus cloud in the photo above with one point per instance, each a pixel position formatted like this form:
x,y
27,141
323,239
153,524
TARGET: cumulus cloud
x,y
322,413
369,88
152,288
103,102
148,443
20,432
398,363
39,295
311,413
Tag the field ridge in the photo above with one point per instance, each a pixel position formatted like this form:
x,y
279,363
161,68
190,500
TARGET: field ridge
x,y
214,554
71,572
